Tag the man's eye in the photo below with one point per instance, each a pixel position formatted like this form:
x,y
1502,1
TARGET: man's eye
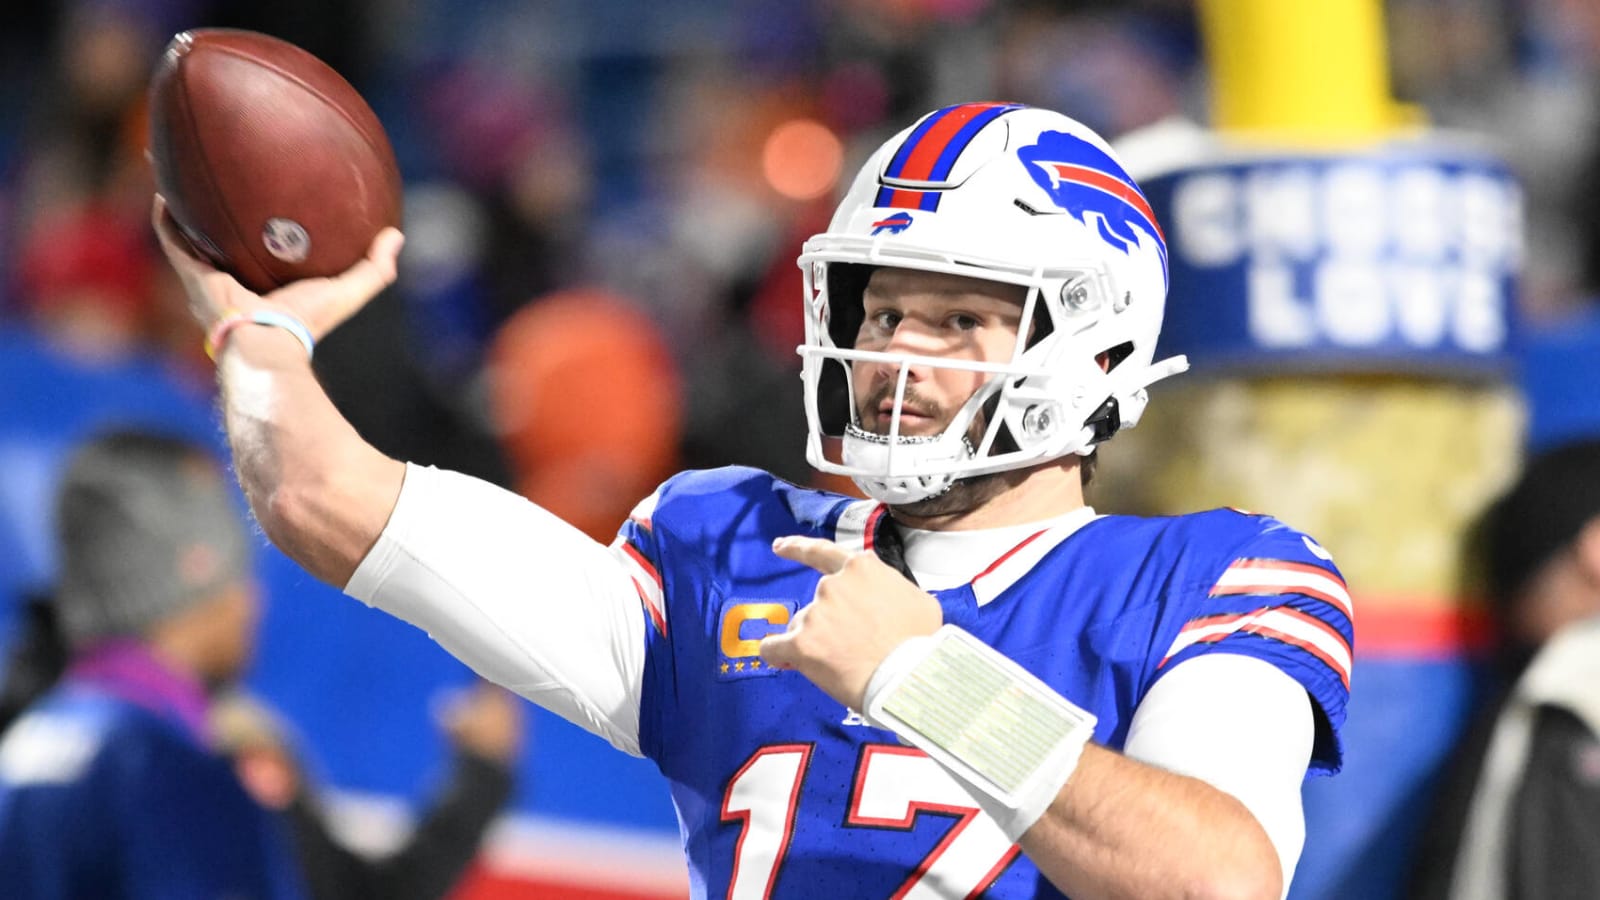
x,y
886,319
964,322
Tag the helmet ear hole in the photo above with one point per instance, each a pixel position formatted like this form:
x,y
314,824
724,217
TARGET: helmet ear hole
x,y
1105,421
847,282
1004,440
1041,327
1113,357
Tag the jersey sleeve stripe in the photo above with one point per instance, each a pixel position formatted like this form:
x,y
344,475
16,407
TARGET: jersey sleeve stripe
x,y
1284,565
1229,622
653,607
1289,626
1325,611
643,563
1341,601
1272,577
646,581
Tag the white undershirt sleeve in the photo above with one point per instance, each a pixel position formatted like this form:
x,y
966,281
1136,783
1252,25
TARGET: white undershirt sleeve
x,y
525,599
1243,726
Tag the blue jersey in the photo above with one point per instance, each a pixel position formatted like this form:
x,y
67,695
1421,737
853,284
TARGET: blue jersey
x,y
781,792
108,799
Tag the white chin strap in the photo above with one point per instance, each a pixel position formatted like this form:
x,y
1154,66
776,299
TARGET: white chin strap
x,y
875,453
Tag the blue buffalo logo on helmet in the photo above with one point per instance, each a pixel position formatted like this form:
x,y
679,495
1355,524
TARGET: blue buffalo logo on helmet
x,y
1086,182
894,224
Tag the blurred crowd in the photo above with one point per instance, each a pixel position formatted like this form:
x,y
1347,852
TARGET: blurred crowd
x,y
649,168
605,198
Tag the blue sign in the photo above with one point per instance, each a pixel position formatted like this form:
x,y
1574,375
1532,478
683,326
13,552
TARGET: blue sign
x,y
1400,258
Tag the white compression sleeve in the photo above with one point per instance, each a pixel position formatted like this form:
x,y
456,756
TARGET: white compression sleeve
x,y
1241,725
522,597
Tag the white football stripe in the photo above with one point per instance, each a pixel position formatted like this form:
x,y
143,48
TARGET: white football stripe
x,y
1278,620
1292,579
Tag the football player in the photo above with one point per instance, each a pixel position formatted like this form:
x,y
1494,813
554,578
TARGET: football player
x,y
969,683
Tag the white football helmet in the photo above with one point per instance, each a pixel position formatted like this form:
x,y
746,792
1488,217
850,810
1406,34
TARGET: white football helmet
x,y
1010,194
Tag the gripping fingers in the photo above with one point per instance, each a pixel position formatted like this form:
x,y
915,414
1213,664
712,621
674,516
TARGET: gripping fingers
x,y
210,291
172,243
176,247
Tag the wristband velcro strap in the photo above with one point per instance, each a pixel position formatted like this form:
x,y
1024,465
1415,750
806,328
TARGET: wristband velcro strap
x,y
218,335
1007,735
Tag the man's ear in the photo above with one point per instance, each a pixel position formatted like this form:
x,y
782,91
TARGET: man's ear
x,y
1587,549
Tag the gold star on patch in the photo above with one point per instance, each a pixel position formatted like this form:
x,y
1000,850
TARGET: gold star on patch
x,y
738,666
755,664
724,668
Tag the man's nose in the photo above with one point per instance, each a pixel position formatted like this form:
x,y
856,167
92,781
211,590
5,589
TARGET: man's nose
x,y
911,340
912,336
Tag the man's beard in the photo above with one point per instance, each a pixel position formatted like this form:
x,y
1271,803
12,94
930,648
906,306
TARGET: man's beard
x,y
964,494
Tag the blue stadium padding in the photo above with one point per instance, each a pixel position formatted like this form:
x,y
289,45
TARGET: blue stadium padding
x,y
1559,366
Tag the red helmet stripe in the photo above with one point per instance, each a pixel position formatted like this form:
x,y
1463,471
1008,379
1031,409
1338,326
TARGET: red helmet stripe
x,y
917,160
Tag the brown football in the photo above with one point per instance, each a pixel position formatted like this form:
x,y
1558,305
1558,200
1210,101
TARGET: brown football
x,y
272,165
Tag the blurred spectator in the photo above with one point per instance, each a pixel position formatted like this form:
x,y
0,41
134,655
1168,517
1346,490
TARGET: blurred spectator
x,y
37,657
587,400
108,784
485,727
511,143
1526,77
53,401
1114,71
484,723
84,256
1520,815
86,140
87,276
